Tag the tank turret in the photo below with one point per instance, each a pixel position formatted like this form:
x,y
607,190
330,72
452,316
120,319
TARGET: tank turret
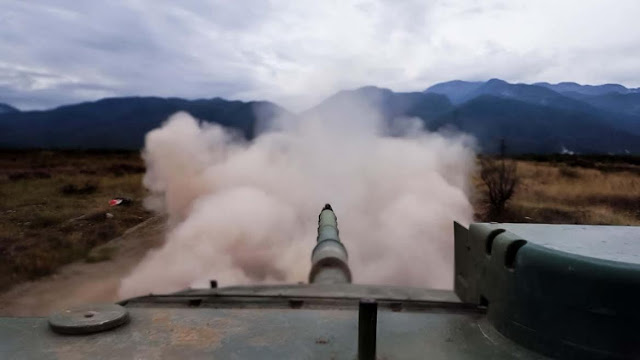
x,y
525,291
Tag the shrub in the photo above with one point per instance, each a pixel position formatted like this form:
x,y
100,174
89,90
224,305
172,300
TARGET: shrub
x,y
500,177
568,172
103,253
35,263
43,219
123,169
72,189
26,175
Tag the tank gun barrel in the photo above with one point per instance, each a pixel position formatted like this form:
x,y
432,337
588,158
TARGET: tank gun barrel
x,y
329,259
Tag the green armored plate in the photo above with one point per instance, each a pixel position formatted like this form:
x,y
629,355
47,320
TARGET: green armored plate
x,y
567,291
614,243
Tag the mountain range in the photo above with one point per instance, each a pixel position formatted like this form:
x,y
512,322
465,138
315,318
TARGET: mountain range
x,y
5,108
121,123
532,118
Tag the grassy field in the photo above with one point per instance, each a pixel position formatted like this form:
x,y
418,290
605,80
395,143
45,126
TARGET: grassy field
x,y
54,205
568,190
54,208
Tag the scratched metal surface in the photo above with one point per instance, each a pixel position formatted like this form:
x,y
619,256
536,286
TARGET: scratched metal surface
x,y
170,333
345,291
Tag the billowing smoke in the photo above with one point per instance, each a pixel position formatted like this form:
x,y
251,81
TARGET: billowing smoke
x,y
246,212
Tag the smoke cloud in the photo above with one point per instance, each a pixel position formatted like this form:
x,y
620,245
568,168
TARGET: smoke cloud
x,y
246,212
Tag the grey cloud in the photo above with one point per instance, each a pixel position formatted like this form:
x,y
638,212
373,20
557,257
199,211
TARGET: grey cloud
x,y
62,51
54,96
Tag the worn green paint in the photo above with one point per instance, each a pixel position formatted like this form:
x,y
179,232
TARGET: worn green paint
x,y
568,291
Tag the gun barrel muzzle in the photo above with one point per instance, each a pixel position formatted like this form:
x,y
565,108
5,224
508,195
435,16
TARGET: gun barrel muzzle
x,y
329,259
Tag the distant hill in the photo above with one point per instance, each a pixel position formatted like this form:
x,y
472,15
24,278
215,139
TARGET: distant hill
x,y
533,94
536,128
616,109
121,123
535,118
587,89
5,108
610,97
457,91
628,103
386,102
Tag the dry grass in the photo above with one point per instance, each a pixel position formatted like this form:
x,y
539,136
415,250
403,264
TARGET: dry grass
x,y
101,253
53,205
43,192
560,193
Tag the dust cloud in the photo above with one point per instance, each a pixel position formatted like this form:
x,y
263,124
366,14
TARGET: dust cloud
x,y
246,212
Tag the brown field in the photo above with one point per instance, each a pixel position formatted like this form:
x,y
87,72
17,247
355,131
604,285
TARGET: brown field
x,y
54,206
594,192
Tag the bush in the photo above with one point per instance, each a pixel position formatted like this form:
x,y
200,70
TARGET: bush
x,y
100,233
124,169
26,175
72,189
39,220
500,178
103,253
34,263
568,172
95,216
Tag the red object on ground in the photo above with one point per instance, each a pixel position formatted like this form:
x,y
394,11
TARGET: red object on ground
x,y
114,202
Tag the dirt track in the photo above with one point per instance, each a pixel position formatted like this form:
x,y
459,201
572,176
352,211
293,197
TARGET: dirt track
x,y
81,282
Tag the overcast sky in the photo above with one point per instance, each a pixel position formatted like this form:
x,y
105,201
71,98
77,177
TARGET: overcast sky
x,y
297,52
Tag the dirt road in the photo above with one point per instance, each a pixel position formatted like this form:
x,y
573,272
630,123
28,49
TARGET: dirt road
x,y
82,282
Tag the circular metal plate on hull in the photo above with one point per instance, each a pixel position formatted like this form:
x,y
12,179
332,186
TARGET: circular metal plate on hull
x,y
88,319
